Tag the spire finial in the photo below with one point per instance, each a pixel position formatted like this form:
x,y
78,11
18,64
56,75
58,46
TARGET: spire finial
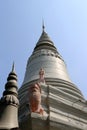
x,y
43,27
13,67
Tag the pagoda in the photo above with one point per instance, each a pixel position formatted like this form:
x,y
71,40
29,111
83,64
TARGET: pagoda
x,y
48,98
9,104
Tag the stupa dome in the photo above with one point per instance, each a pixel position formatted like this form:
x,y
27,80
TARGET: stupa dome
x,y
46,56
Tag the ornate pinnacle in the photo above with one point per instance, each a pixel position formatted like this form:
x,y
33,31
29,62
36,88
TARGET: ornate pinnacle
x,y
13,67
43,27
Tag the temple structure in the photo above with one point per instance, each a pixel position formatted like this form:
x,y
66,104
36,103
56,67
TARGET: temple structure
x,y
48,98
9,104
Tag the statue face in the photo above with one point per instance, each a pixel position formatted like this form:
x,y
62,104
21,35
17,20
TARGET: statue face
x,y
34,97
35,93
35,88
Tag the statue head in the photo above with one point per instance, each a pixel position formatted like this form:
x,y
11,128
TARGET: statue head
x,y
35,97
35,88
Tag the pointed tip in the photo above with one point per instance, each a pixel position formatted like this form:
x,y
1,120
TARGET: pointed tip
x,y
43,27
13,67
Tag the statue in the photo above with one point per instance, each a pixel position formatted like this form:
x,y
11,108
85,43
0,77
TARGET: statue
x,y
35,99
41,75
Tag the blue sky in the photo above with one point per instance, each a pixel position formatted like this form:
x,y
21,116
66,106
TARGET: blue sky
x,y
21,27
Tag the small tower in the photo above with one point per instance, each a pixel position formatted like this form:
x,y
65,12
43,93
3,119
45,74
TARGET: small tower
x,y
9,103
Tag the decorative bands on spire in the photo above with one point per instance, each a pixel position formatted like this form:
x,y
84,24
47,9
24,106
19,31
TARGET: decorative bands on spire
x,y
10,95
10,99
44,41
